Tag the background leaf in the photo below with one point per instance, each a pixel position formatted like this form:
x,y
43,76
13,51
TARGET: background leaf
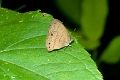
x,y
72,10
112,53
90,16
23,53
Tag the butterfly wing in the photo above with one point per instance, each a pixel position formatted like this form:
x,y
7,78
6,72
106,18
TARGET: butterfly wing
x,y
58,36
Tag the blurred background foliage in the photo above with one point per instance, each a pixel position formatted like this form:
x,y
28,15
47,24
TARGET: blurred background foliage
x,y
95,24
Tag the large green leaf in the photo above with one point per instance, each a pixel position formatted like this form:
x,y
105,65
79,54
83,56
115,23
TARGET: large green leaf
x,y
23,54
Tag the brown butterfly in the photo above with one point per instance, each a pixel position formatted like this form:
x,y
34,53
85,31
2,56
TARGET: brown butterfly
x,y
58,36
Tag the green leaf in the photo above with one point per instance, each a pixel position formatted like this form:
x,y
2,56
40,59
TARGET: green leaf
x,y
93,20
23,53
112,53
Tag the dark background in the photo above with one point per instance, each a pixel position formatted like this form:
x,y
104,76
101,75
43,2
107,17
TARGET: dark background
x,y
109,71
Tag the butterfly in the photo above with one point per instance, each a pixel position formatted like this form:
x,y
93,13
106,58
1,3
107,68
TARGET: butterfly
x,y
58,36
